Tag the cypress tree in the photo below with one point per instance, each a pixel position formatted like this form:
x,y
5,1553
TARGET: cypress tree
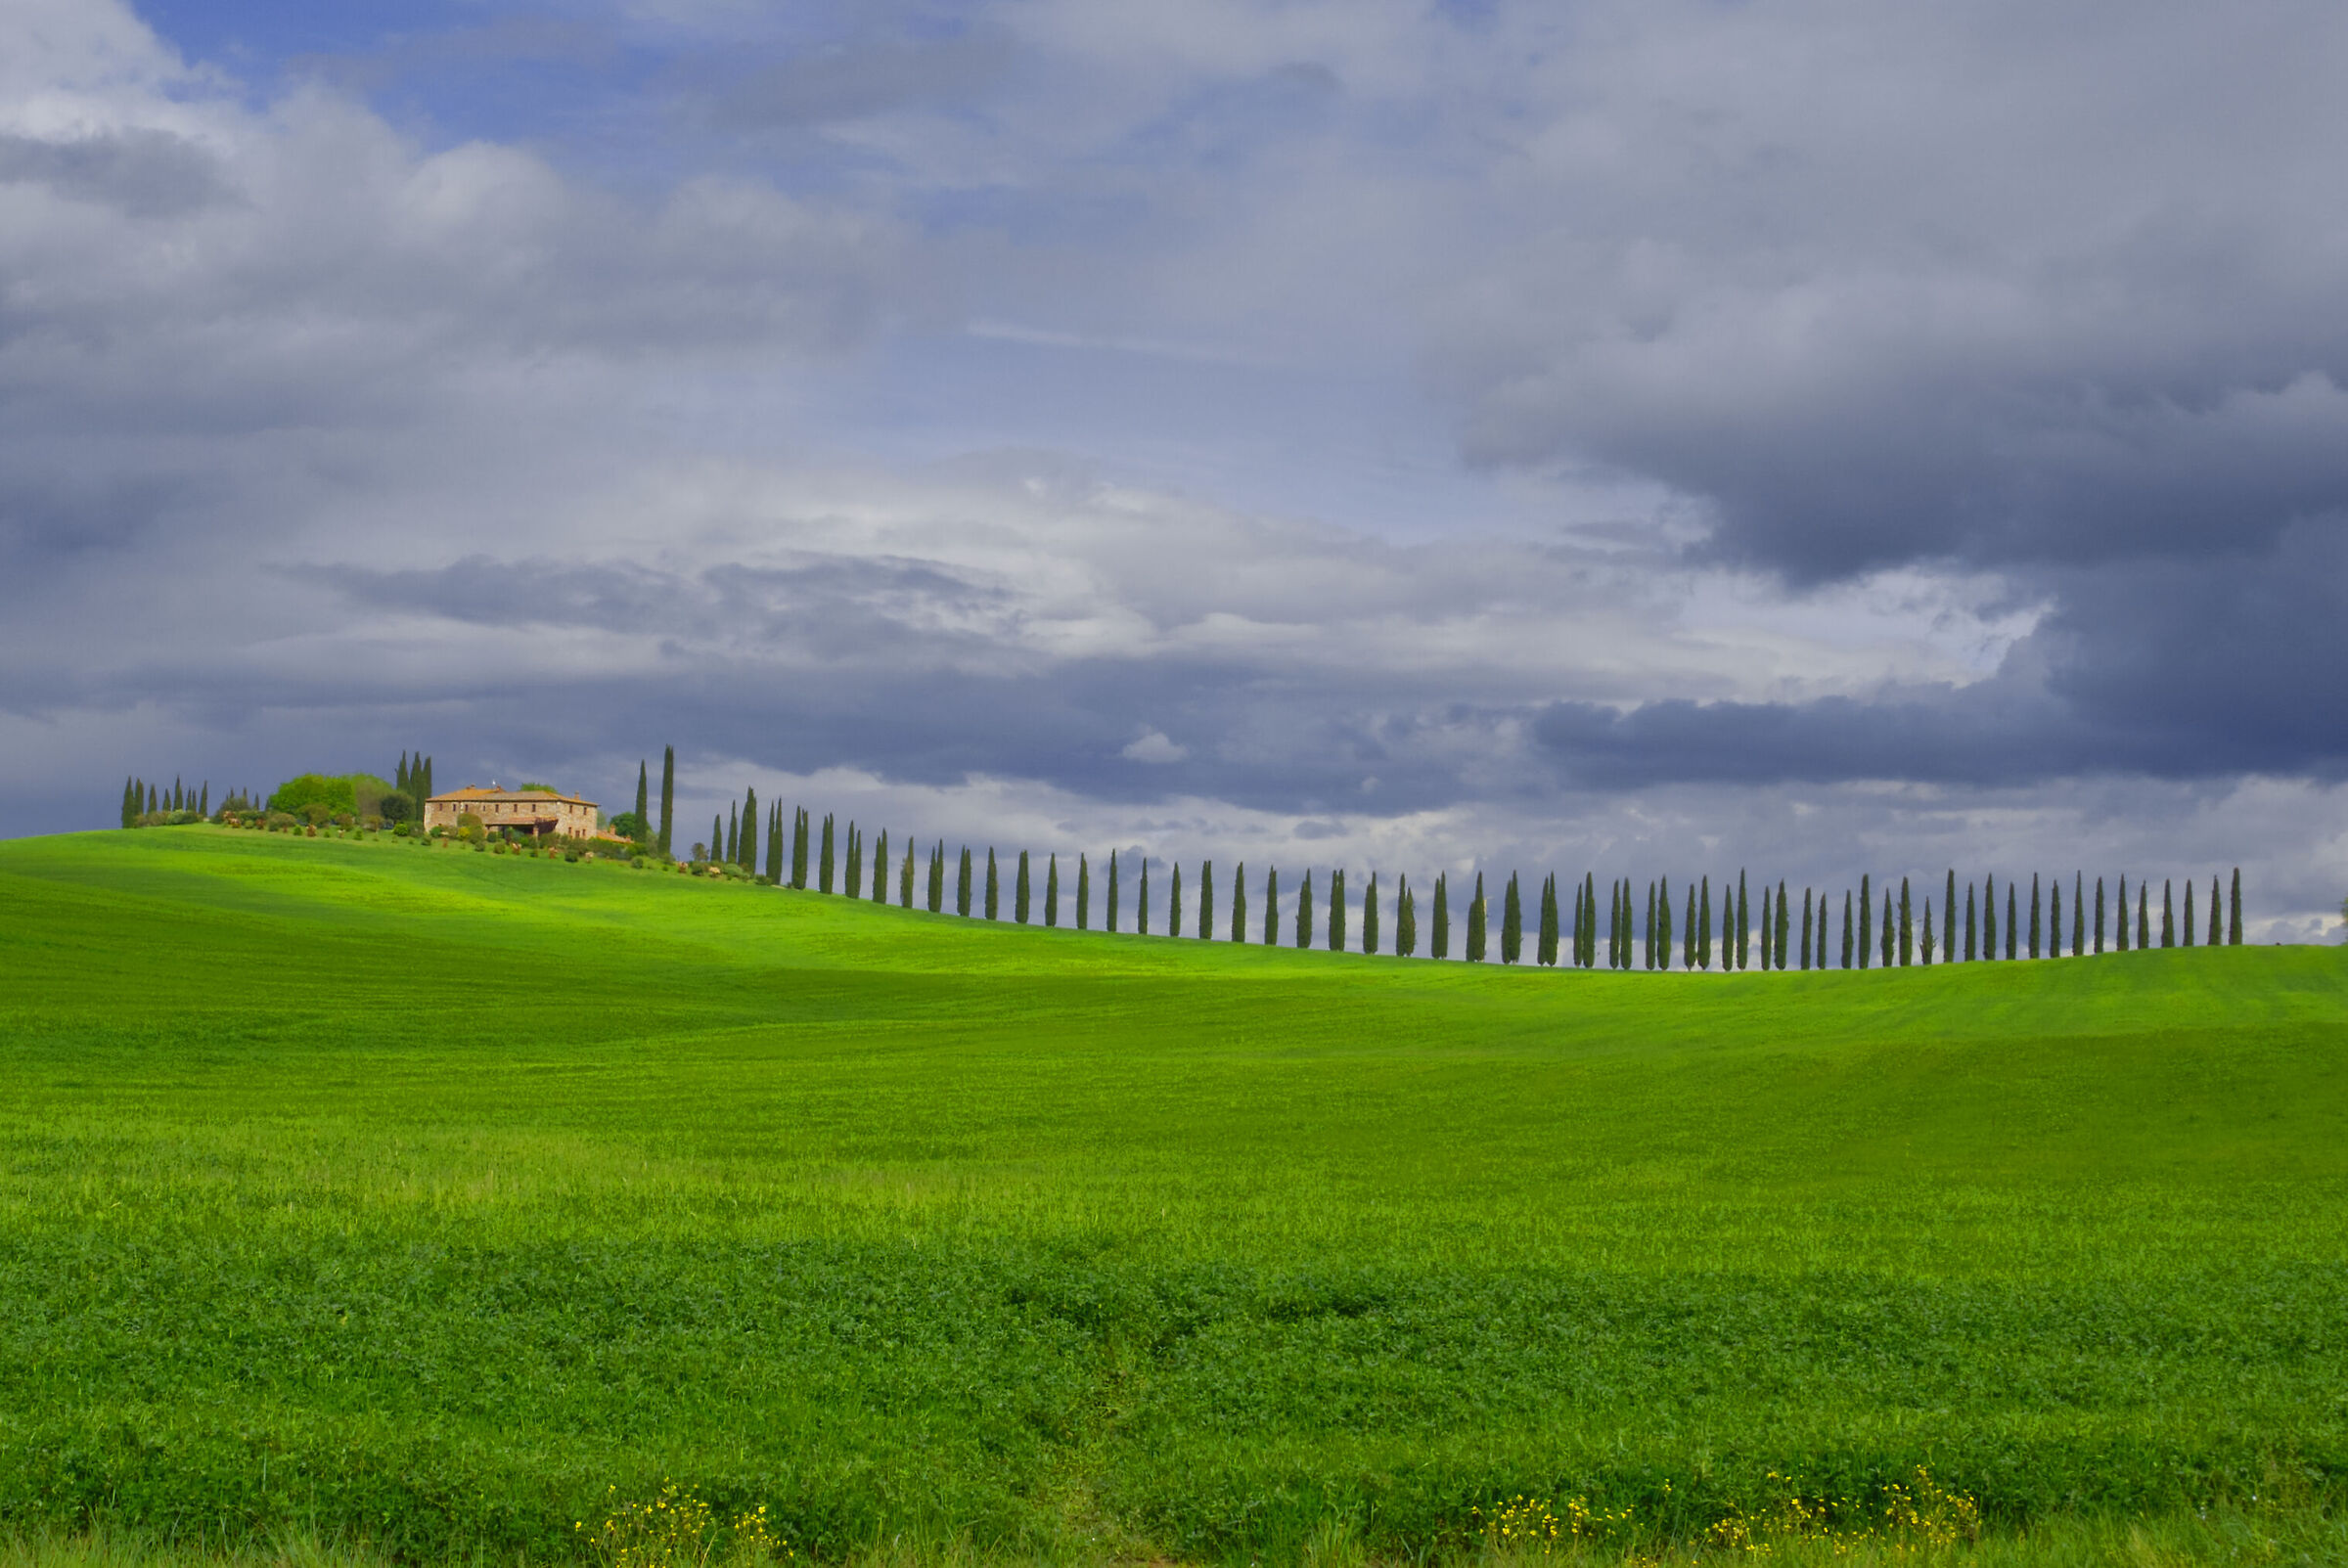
x,y
204,800
1614,925
427,782
1948,920
171,802
130,812
1703,927
1663,924
1475,923
1927,933
716,850
2234,911
153,800
774,869
1907,929
1140,921
2217,929
2053,916
1406,918
1238,902
1846,927
1806,923
851,881
1887,934
1989,919
2144,923
1581,924
644,826
2098,917
1744,931
1206,900
749,860
798,850
1305,909
964,888
1272,906
668,798
1052,892
2078,913
1084,894
2120,934
937,878
2014,927
2034,931
1512,923
1649,927
826,865
1440,947
1545,949
1370,915
1174,903
1971,951
994,886
1113,890
1688,942
1336,909
2168,916
905,880
732,834
1867,919
1784,926
2186,930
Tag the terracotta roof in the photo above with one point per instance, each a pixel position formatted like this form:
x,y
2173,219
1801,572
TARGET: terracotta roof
x,y
531,796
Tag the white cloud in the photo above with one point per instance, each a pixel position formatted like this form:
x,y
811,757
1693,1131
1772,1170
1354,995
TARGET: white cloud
x,y
1154,747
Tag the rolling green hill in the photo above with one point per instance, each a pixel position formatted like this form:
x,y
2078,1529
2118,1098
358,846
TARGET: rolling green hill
x,y
422,1197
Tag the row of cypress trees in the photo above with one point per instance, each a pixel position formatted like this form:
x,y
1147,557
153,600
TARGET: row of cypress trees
x,y
142,797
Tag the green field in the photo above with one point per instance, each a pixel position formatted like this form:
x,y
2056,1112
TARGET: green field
x,y
419,1197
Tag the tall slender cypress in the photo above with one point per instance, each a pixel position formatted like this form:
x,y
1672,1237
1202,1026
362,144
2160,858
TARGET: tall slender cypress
x,y
1663,924
1272,906
130,812
1906,928
668,798
2034,926
1305,909
1784,926
938,877
1744,932
1052,892
749,860
715,850
1582,915
1084,894
1174,902
2234,911
964,888
1948,920
1971,951
2078,913
2144,923
732,834
1846,928
1867,919
2186,931
1238,902
1406,918
1545,949
2120,933
1806,929
799,849
1206,900
1704,927
994,886
1614,923
1688,942
2014,927
1887,934
1113,890
1989,919
2168,914
643,796
1440,945
1370,915
851,866
1927,948
1140,904
2217,929
775,871
1336,909
1475,923
905,878
2053,916
2098,917
1512,923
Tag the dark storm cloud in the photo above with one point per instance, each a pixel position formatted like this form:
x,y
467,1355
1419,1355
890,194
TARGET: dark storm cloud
x,y
144,173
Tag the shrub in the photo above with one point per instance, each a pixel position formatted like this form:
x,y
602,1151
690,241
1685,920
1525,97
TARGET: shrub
x,y
313,788
280,821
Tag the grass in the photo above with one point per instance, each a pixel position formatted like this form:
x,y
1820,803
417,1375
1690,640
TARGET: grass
x,y
429,1201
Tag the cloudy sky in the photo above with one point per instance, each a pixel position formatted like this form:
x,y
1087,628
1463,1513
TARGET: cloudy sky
x,y
1652,437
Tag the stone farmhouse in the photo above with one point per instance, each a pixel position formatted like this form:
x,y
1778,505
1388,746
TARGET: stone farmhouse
x,y
540,813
